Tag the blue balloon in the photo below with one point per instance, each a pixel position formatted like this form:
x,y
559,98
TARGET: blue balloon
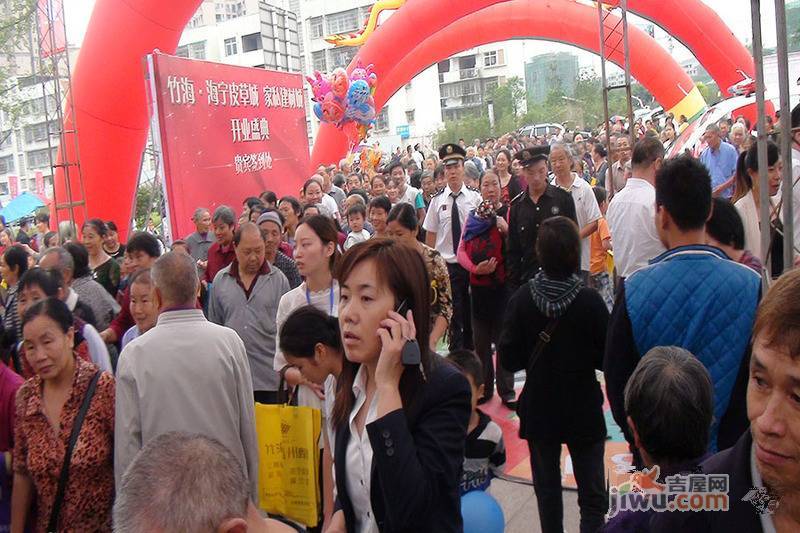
x,y
481,513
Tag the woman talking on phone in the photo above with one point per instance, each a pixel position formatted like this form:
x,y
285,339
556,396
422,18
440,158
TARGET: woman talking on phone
x,y
400,428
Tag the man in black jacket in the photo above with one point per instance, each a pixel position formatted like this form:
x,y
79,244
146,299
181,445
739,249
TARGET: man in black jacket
x,y
763,467
529,209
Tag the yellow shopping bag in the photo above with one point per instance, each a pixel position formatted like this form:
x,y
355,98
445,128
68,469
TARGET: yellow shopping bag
x,y
288,455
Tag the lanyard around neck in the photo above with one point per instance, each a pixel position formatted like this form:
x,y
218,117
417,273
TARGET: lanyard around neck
x,y
330,298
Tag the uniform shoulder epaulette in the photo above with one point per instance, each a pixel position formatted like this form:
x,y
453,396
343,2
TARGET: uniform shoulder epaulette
x,y
473,189
437,193
517,197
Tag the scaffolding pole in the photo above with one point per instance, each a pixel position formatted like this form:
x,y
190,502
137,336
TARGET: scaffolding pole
x,y
610,41
50,20
785,127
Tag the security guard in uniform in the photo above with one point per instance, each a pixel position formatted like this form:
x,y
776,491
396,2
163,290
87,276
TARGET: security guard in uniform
x,y
444,222
538,202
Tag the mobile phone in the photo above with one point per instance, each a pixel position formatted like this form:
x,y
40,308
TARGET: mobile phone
x,y
410,354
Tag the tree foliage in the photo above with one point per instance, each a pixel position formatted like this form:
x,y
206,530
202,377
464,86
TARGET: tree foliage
x,y
16,30
583,111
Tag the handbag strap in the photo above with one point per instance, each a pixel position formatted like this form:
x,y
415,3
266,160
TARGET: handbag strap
x,y
285,395
544,339
73,439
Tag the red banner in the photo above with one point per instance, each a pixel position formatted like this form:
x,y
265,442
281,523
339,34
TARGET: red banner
x,y
227,133
39,182
13,186
52,31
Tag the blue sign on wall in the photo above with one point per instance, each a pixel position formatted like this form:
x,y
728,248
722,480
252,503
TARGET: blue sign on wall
x,y
403,131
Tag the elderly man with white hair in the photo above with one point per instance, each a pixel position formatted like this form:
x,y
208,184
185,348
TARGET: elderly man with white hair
x,y
185,374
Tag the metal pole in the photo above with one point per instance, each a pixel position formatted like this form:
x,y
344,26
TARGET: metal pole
x,y
786,138
603,79
763,201
632,136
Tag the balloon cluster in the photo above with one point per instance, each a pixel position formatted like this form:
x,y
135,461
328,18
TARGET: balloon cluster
x,y
346,101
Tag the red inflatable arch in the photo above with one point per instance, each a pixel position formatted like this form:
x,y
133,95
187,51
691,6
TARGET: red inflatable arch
x,y
558,20
109,90
691,21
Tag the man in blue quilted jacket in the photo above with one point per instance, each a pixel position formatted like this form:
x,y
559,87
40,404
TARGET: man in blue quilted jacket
x,y
690,296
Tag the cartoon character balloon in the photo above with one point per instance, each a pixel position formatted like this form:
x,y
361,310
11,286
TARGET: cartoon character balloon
x,y
364,73
320,85
329,110
339,82
346,101
360,105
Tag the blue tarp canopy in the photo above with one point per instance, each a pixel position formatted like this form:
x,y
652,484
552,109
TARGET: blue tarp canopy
x,y
21,206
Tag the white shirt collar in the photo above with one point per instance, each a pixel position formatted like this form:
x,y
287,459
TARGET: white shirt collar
x,y
451,191
72,299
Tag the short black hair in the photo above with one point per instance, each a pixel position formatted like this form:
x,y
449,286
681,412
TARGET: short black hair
x,y
725,224
338,179
42,217
362,193
600,194
269,197
49,280
252,201
112,226
381,202
669,398
80,259
357,209
647,151
16,256
469,365
558,247
294,202
52,308
600,150
393,165
683,189
141,241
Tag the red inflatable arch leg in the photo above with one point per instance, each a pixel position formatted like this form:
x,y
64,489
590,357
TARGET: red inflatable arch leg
x,y
108,89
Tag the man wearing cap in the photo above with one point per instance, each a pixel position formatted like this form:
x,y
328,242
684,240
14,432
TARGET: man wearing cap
x,y
538,202
447,215
271,224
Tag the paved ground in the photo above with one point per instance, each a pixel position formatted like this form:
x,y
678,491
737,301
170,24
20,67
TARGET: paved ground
x,y
520,510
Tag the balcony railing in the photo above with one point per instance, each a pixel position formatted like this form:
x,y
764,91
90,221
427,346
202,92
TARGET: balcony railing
x,y
467,73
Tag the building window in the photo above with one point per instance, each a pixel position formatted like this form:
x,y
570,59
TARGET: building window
x,y
40,158
341,57
38,132
410,116
251,42
318,61
4,188
6,139
490,86
490,58
7,164
230,47
382,120
466,62
342,22
192,50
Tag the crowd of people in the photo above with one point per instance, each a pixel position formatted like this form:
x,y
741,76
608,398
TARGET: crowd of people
x,y
398,295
